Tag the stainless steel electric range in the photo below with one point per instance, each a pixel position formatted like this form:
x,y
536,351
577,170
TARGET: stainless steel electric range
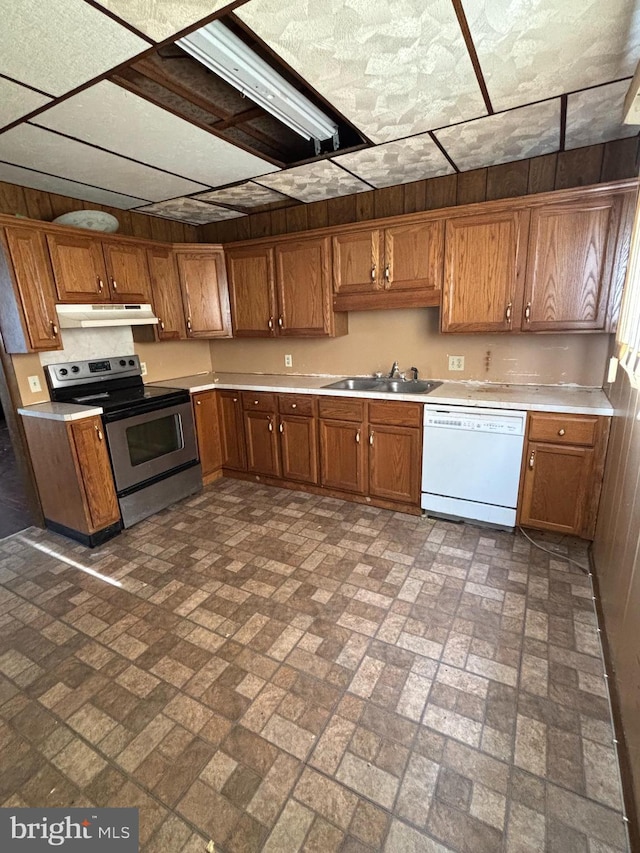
x,y
150,431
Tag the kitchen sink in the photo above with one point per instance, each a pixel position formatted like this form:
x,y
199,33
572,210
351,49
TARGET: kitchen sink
x,y
385,386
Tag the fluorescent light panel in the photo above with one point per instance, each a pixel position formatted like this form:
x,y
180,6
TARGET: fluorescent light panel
x,y
217,48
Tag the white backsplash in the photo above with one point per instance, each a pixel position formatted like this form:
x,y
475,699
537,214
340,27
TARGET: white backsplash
x,y
84,344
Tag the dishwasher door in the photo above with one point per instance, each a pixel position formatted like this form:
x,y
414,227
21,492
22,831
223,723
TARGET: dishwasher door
x,y
471,461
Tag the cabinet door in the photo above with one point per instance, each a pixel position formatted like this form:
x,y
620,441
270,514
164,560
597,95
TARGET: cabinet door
x,y
78,268
262,443
303,287
204,283
299,448
252,292
395,455
569,267
357,262
414,256
205,410
127,272
232,430
556,487
36,288
342,456
95,469
166,296
482,271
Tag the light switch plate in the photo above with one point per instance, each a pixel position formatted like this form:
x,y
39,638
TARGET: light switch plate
x,y
456,362
34,384
143,368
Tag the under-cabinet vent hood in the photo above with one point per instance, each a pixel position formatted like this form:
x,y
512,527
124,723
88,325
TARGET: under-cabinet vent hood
x,y
93,316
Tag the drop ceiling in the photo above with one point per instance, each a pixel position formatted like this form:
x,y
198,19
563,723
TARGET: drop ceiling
x,y
98,103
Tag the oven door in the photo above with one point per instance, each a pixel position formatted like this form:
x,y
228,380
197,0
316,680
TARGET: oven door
x,y
149,446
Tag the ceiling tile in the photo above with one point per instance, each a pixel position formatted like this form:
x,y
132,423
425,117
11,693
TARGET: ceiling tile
x,y
50,184
16,101
398,162
542,48
188,210
243,195
314,182
62,44
513,135
113,118
596,116
160,19
35,148
393,67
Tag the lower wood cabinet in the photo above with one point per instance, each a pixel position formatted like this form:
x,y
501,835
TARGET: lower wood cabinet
x,y
232,430
74,479
342,456
205,412
562,472
262,443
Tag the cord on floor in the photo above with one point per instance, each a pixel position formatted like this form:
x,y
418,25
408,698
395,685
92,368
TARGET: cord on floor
x,y
585,569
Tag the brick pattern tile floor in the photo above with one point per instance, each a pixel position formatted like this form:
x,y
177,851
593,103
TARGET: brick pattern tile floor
x,y
278,671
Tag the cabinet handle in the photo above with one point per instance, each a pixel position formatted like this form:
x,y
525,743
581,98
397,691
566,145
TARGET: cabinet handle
x,y
281,427
532,459
374,270
387,275
527,312
270,426
99,432
54,329
507,313
371,438
270,324
100,284
280,322
161,324
358,437
188,324
561,432
114,284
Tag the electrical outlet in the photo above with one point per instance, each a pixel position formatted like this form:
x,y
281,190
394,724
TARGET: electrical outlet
x,y
288,360
34,384
143,368
456,362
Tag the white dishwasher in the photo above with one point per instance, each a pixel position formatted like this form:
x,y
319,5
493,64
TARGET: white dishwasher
x,y
471,462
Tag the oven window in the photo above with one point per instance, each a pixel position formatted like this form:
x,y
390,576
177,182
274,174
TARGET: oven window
x,y
154,438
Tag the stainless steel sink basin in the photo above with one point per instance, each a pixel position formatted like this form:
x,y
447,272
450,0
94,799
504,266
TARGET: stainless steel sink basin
x,y
385,386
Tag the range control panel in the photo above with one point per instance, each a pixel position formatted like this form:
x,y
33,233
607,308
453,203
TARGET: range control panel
x,y
82,372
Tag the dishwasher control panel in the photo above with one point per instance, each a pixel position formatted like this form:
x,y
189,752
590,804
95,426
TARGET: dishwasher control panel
x,y
477,420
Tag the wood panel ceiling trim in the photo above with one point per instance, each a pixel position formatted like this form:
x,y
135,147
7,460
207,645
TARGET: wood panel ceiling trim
x,y
473,54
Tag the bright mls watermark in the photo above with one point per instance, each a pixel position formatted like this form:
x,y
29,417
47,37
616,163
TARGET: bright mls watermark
x,y
69,830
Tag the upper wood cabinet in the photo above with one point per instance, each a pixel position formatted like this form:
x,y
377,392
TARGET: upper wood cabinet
x,y
206,296
89,270
483,265
395,267
570,260
166,294
27,293
283,289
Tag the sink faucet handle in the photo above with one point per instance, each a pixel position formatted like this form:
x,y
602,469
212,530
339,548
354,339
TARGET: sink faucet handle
x,y
414,370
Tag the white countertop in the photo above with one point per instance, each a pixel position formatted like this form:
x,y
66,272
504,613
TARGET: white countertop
x,y
60,411
539,398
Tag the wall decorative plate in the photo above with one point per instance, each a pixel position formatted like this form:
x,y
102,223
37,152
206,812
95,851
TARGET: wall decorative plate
x,y
96,220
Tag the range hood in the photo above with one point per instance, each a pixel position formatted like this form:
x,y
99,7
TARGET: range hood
x,y
93,316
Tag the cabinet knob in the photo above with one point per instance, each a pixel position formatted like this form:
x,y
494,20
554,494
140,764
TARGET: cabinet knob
x,y
358,437
235,399
527,312
280,322
374,270
532,459
507,313
255,402
54,329
114,284
100,284
198,402
371,438
99,432
561,432
294,405
270,323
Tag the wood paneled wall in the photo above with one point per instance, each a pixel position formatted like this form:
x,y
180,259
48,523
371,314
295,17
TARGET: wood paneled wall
x,y
38,204
616,553
595,164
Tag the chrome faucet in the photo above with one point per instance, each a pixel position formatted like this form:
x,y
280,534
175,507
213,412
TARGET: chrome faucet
x,y
395,370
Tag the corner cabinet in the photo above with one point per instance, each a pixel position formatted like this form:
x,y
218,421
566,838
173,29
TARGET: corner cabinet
x,y
562,472
205,412
283,289
203,278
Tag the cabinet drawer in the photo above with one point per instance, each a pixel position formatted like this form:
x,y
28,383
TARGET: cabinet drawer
x,y
395,414
296,404
258,401
563,429
341,408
